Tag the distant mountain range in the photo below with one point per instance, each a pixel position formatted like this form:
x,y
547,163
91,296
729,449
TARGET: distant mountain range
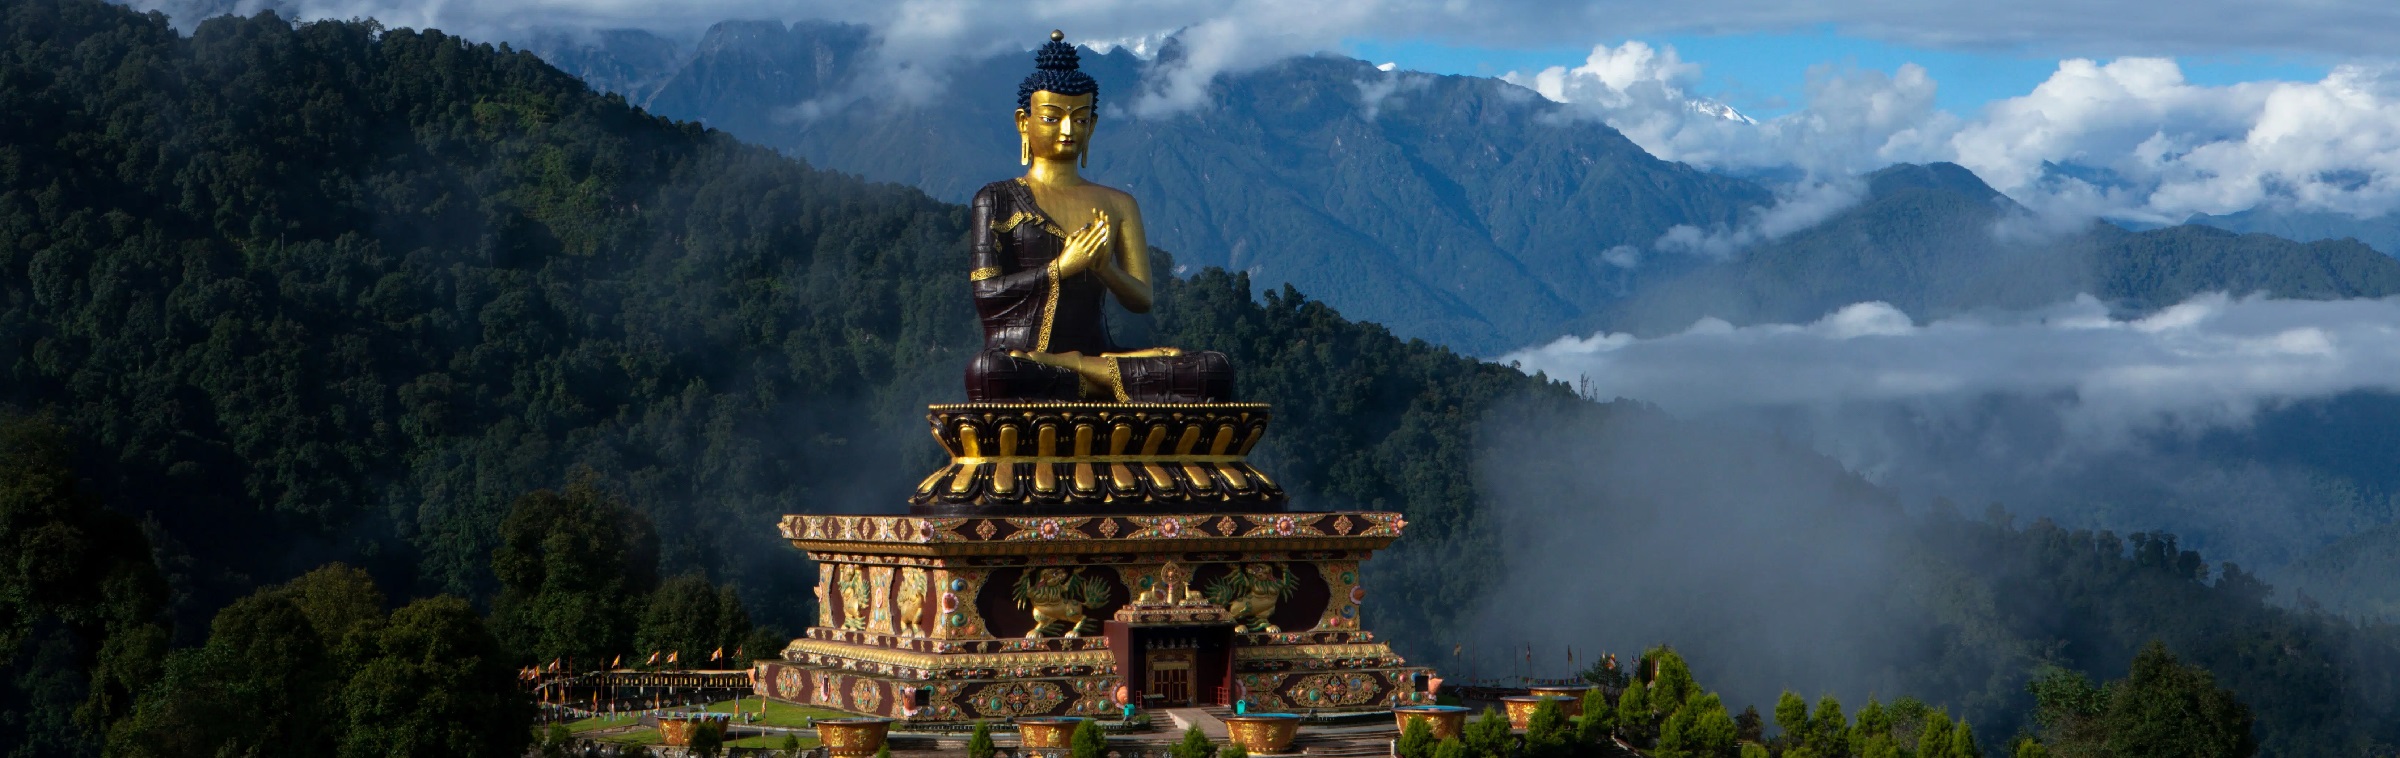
x,y
1462,210
1934,240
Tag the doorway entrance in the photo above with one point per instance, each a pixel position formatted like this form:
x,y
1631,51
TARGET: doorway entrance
x,y
1170,677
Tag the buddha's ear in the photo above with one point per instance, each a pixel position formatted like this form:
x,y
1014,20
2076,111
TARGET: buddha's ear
x,y
1023,116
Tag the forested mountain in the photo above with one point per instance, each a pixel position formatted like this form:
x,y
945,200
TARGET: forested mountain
x,y
2379,232
1463,210
1934,241
338,291
299,294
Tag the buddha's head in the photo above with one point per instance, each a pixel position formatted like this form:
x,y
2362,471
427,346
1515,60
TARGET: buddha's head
x,y
1057,105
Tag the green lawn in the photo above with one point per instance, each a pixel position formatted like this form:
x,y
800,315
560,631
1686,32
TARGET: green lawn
x,y
650,737
637,737
778,714
773,741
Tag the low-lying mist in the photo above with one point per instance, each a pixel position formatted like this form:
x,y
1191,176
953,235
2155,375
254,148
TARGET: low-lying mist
x,y
2193,420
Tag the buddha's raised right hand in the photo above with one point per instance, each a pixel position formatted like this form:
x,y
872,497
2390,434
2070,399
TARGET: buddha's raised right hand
x,y
1086,247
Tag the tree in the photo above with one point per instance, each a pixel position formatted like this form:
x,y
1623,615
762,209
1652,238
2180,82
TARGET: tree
x,y
1195,744
1088,741
1754,750
344,607
1416,741
2030,748
1791,718
1672,684
437,684
708,741
262,685
693,618
1829,730
2165,709
1879,746
574,568
557,741
1872,720
1488,736
1750,726
1962,742
1233,750
2069,711
1451,747
979,744
1636,721
1933,736
77,586
1547,733
1598,723
1699,729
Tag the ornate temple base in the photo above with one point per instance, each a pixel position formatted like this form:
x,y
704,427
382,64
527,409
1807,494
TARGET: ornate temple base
x,y
1183,579
919,620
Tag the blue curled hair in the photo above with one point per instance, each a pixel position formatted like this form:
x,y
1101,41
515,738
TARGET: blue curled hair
x,y
1057,68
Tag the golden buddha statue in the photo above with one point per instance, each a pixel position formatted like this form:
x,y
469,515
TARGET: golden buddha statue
x,y
1041,289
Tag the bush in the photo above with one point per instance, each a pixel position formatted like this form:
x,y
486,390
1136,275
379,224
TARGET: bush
x,y
1547,734
708,740
1598,721
980,744
1233,751
1195,744
1488,737
1089,741
1451,748
884,750
1416,741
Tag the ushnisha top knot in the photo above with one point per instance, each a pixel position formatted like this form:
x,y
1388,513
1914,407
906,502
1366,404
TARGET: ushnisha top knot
x,y
1057,67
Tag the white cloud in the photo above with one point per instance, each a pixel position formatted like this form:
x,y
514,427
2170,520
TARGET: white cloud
x,y
2211,361
2181,148
1796,207
1377,90
1853,120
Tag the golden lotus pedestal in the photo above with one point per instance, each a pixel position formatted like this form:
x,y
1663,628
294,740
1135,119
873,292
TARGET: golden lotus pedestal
x,y
1076,557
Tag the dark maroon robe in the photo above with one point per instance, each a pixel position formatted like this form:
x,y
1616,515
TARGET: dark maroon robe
x,y
1024,306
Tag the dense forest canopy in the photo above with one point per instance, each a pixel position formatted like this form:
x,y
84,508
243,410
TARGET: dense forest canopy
x,y
285,295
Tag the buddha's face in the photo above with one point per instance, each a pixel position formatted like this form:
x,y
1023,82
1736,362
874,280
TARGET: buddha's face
x,y
1057,127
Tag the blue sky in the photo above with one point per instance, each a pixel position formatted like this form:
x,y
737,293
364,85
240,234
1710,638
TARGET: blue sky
x,y
1762,73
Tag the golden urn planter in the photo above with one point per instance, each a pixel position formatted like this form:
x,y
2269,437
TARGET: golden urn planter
x,y
1520,708
677,731
1446,721
1046,732
853,736
1570,696
1263,733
